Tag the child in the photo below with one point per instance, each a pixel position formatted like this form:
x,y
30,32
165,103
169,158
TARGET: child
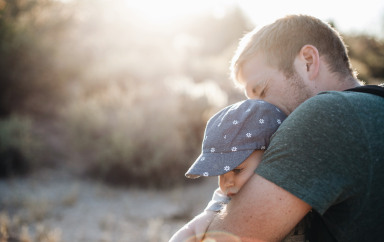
x,y
234,142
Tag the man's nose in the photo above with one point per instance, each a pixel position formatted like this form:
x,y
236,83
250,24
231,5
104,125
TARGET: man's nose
x,y
250,91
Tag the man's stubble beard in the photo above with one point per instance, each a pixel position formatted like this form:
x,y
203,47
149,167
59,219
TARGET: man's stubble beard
x,y
300,91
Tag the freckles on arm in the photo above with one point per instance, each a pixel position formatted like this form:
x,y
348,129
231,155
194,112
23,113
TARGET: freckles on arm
x,y
261,211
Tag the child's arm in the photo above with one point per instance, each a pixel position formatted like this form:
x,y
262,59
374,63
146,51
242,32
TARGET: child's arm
x,y
196,228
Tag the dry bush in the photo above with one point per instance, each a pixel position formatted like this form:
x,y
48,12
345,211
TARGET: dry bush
x,y
148,136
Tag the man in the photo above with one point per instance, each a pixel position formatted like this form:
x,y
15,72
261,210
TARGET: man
x,y
328,155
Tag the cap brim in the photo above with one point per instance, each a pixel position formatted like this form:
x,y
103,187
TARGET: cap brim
x,y
216,164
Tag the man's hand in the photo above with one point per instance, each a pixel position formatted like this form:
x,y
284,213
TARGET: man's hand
x,y
261,211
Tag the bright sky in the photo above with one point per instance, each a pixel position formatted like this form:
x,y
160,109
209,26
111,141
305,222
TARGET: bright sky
x,y
348,15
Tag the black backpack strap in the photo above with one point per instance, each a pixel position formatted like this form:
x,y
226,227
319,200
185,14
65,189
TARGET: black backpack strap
x,y
372,89
316,230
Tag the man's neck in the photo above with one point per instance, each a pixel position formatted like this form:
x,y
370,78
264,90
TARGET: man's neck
x,y
343,84
351,82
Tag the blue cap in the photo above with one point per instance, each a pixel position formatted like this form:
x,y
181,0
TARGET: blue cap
x,y
232,134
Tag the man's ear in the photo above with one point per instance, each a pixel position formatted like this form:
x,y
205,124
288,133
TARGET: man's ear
x,y
310,56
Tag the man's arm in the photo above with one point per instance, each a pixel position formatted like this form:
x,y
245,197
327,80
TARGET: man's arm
x,y
261,211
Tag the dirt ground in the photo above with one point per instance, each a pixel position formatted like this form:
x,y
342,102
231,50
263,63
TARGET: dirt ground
x,y
55,206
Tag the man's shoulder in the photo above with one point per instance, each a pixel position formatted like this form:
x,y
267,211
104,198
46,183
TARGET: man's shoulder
x,y
369,92
337,101
323,103
336,96
333,109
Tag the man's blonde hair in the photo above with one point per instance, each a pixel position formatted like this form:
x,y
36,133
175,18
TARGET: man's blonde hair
x,y
281,41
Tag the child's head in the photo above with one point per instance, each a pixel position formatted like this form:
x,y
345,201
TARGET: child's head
x,y
234,141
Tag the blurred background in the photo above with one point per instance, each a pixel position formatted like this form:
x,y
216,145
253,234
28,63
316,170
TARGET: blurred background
x,y
103,105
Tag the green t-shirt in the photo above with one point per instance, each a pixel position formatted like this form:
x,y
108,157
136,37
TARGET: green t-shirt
x,y
330,153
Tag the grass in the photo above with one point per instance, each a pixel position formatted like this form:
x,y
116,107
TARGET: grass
x,y
52,207
12,229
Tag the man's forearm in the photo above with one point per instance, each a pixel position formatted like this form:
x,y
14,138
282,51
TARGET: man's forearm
x,y
261,211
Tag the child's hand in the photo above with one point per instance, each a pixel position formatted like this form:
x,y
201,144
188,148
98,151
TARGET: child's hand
x,y
194,230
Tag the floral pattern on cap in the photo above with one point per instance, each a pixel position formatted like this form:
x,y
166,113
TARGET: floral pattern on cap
x,y
233,133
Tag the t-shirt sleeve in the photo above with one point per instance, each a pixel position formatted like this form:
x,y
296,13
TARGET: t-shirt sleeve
x,y
309,154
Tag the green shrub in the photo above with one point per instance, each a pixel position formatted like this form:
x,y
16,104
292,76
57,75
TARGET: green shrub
x,y
19,147
33,76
